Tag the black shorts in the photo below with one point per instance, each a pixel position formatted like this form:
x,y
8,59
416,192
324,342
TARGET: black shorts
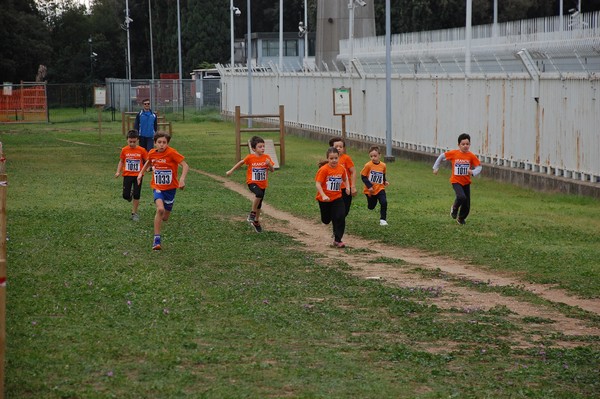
x,y
131,186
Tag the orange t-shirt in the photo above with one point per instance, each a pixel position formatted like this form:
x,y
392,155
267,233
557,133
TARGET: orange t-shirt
x,y
374,172
133,159
347,163
461,163
257,171
164,168
331,180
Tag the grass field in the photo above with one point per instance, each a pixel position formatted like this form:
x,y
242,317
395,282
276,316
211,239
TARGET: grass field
x,y
92,312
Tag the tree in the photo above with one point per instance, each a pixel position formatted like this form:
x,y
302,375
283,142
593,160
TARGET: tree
x,y
24,41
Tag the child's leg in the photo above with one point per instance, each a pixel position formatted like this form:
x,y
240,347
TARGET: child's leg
x,y
127,184
460,195
383,203
159,216
325,208
466,205
347,202
371,201
137,190
338,217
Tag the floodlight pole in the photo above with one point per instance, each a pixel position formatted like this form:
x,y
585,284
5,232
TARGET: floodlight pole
x,y
127,21
280,35
151,46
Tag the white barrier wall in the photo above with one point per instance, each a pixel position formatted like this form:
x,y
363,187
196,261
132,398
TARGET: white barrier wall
x,y
559,134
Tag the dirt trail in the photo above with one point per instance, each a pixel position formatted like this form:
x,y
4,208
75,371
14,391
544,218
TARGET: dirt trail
x,y
316,236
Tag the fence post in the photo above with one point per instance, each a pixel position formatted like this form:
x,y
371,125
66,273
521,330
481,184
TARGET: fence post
x,y
281,135
238,134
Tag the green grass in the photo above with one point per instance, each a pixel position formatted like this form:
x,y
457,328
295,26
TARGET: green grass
x,y
223,313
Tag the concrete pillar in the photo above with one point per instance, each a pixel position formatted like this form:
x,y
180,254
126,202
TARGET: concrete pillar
x,y
332,26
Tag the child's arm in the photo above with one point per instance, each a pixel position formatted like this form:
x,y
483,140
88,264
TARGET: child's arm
x,y
270,165
141,174
119,168
324,197
347,183
236,166
367,183
352,171
184,171
475,171
385,181
438,161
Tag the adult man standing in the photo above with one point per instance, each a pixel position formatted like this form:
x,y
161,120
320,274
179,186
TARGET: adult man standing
x,y
146,123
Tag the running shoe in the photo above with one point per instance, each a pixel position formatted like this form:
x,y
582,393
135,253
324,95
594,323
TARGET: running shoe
x,y
257,226
382,222
453,212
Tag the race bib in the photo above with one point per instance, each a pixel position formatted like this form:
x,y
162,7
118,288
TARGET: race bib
x,y
376,177
163,177
461,169
132,165
334,183
259,174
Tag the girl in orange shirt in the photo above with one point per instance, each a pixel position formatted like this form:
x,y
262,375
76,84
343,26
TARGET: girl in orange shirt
x,y
328,181
373,176
339,144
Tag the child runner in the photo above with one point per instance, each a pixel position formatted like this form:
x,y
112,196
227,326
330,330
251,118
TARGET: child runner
x,y
132,158
259,165
464,165
329,180
165,162
373,176
339,144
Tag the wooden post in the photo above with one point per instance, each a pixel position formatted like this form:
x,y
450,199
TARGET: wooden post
x,y
281,136
99,123
238,134
3,187
344,127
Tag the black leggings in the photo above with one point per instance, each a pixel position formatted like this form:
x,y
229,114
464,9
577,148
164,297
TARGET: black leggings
x,y
259,192
335,212
347,201
463,199
130,182
372,203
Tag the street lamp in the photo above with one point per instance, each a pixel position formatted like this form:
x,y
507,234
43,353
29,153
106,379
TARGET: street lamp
x,y
233,10
351,5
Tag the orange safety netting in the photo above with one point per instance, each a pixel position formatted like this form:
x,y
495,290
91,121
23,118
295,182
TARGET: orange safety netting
x,y
20,103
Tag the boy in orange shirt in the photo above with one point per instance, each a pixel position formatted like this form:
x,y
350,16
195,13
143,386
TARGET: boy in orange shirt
x,y
259,165
165,162
328,181
373,176
131,160
339,144
464,165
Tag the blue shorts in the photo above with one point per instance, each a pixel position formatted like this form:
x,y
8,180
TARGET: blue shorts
x,y
167,196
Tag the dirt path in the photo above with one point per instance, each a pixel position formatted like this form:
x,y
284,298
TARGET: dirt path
x,y
369,264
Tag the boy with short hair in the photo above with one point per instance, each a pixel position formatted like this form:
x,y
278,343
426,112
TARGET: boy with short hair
x,y
259,165
165,162
131,160
464,165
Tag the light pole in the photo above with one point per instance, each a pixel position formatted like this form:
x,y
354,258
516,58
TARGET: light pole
x,y
249,61
389,157
151,47
280,35
351,5
126,28
232,10
303,32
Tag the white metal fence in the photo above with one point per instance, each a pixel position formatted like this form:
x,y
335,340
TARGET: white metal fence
x,y
552,127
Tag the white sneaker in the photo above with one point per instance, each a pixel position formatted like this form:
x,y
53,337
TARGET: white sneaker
x,y
383,223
